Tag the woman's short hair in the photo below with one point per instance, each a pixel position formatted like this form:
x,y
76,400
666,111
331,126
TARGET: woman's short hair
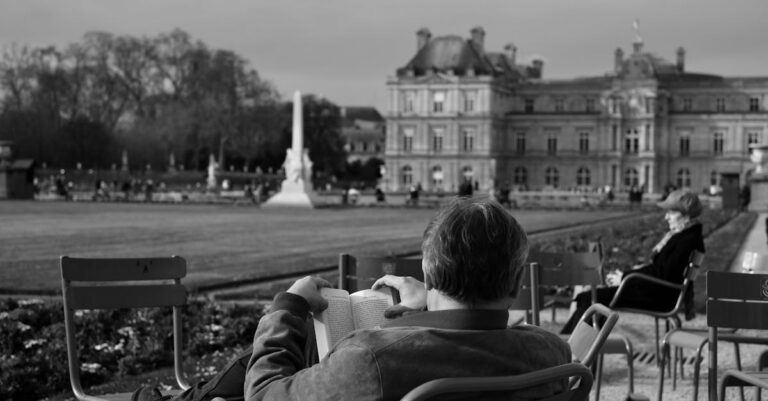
x,y
474,250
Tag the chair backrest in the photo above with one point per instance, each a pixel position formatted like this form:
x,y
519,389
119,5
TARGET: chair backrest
x,y
102,283
566,269
590,333
734,300
529,298
357,273
580,376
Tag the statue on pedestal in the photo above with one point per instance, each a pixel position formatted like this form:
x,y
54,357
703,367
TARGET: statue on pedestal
x,y
212,167
295,190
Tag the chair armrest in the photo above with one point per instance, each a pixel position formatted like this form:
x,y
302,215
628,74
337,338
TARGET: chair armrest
x,y
642,277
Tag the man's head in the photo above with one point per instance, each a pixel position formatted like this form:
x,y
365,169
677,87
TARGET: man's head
x,y
474,252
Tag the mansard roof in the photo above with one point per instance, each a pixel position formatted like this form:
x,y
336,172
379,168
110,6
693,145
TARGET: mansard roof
x,y
454,55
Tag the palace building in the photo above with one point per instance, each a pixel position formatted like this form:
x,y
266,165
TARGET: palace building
x,y
457,112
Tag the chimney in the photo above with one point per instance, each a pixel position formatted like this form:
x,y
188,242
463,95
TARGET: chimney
x,y
511,50
478,37
680,59
538,65
422,38
638,46
618,60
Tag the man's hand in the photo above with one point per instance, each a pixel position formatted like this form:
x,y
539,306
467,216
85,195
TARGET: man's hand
x,y
309,289
413,294
613,278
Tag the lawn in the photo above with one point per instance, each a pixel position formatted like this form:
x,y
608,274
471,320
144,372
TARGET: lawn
x,y
221,243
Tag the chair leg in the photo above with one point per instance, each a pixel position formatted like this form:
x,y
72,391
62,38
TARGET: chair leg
x,y
737,353
656,323
630,366
697,370
682,363
665,348
599,376
674,367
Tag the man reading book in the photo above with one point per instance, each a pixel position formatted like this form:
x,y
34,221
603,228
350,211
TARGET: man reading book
x,y
456,324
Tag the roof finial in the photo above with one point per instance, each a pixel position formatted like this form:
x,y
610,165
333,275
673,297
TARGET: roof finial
x,y
636,27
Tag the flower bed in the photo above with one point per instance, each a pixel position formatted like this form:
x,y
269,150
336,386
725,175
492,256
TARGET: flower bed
x,y
33,356
119,344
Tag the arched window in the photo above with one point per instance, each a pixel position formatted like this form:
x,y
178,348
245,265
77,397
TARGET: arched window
x,y
521,176
683,178
582,177
551,177
631,178
407,175
437,177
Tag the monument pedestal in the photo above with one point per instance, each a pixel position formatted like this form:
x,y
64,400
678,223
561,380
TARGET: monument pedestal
x,y
292,194
758,188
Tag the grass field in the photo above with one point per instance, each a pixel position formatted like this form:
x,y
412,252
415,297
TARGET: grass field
x,y
221,243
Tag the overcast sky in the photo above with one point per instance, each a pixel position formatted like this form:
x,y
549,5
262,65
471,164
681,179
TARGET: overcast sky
x,y
345,49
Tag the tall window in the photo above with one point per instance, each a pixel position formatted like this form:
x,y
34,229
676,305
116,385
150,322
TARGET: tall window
x,y
687,104
685,144
467,139
631,177
438,101
583,177
714,178
470,100
683,178
437,139
590,106
467,173
365,145
437,177
583,142
551,177
559,105
631,141
409,101
529,105
552,143
753,138
614,136
754,104
649,105
521,176
614,105
717,143
520,143
407,175
408,139
720,105
648,134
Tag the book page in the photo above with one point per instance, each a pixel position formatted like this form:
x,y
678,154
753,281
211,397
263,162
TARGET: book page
x,y
333,323
368,307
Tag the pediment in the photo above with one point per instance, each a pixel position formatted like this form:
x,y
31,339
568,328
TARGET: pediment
x,y
438,78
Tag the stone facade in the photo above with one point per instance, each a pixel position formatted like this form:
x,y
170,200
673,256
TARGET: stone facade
x,y
457,111
363,131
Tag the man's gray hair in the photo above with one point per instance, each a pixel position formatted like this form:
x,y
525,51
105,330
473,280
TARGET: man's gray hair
x,y
474,250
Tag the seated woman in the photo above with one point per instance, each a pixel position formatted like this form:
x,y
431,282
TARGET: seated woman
x,y
669,259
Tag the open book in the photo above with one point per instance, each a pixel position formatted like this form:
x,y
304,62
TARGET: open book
x,y
349,312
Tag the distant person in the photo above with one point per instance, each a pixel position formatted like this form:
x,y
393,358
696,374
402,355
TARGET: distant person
x,y
745,197
504,195
413,194
466,189
669,259
456,325
380,196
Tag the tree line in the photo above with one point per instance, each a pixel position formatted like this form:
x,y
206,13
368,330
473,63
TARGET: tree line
x,y
153,97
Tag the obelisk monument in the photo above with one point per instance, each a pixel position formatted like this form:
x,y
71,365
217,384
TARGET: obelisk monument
x,y
296,190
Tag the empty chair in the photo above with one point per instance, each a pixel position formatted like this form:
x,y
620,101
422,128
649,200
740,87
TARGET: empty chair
x,y
736,300
579,376
580,269
121,283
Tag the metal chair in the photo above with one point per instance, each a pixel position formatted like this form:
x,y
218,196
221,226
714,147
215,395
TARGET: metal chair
x,y
121,283
472,387
735,300
691,271
582,269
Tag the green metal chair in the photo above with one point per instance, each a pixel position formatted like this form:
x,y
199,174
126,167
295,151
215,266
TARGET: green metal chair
x,y
472,388
121,283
